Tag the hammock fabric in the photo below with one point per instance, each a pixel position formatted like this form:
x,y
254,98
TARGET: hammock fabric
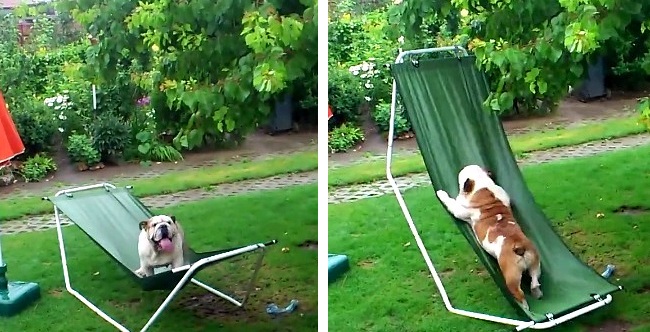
x,y
443,99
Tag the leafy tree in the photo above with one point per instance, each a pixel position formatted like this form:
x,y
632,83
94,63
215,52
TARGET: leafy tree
x,y
212,68
531,50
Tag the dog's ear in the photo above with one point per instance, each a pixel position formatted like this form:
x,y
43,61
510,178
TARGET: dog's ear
x,y
144,224
489,173
468,186
173,218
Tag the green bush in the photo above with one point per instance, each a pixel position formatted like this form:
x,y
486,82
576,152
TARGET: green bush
x,y
345,34
81,150
36,125
118,96
152,149
381,115
37,167
110,135
344,137
345,96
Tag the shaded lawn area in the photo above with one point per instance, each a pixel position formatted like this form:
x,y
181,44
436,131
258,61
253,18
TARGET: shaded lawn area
x,y
389,287
288,215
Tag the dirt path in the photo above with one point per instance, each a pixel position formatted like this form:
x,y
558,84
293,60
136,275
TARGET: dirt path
x,y
258,146
570,113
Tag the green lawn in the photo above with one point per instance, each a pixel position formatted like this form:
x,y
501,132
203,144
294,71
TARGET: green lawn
x,y
242,220
176,181
520,144
389,287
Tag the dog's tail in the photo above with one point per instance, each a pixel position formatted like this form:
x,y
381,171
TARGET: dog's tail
x,y
519,249
527,252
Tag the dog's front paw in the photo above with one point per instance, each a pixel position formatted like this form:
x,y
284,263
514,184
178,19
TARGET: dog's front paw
x,y
140,273
442,195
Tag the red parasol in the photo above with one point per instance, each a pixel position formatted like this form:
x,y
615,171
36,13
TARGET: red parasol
x,y
329,112
10,143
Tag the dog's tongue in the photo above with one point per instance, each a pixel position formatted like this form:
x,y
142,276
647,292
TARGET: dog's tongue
x,y
166,244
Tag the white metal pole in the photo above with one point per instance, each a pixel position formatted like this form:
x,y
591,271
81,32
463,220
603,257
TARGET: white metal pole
x,y
94,97
1,261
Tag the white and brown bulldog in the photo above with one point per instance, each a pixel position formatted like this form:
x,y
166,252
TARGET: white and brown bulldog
x,y
161,243
486,207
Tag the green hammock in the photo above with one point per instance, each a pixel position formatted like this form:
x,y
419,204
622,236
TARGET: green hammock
x,y
110,217
443,99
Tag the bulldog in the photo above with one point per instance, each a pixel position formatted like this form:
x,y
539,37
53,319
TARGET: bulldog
x,y
161,243
486,207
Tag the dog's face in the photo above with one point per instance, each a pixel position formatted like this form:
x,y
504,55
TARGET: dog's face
x,y
472,178
160,227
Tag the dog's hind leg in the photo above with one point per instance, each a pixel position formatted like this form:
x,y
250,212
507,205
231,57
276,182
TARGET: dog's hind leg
x,y
535,272
512,276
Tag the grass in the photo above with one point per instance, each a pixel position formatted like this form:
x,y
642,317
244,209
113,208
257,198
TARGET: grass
x,y
243,220
176,181
520,144
389,287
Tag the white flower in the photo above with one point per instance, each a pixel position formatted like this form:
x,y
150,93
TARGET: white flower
x,y
59,99
369,85
66,91
400,39
61,116
464,12
60,130
354,70
57,107
397,2
365,66
367,98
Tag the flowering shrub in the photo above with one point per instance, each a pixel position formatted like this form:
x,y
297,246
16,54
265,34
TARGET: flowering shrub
x,y
149,145
64,115
360,44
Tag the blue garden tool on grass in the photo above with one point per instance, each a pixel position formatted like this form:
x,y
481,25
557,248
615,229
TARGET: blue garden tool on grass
x,y
274,310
